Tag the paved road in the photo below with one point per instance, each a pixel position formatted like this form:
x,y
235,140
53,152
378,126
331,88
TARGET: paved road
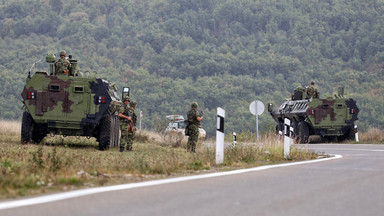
x,y
352,185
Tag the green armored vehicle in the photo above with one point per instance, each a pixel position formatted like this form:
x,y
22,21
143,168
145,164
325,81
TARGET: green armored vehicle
x,y
70,104
328,119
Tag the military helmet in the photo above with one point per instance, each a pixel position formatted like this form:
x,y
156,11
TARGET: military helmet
x,y
312,82
63,53
194,105
132,104
126,98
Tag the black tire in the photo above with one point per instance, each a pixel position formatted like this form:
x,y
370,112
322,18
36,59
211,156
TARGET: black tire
x,y
351,133
279,127
115,131
303,132
118,132
27,127
295,127
39,132
348,135
105,133
113,137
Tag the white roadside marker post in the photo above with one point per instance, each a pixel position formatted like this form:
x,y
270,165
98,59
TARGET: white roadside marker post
x,y
356,134
234,140
287,139
220,136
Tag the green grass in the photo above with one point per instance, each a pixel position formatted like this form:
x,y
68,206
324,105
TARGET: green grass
x,y
61,164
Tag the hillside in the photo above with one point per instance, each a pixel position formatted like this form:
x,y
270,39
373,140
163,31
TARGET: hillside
x,y
220,53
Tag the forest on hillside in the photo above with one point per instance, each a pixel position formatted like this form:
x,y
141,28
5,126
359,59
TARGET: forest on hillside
x,y
219,53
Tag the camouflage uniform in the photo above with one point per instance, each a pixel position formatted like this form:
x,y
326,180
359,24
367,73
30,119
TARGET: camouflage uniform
x,y
193,128
128,128
312,91
62,65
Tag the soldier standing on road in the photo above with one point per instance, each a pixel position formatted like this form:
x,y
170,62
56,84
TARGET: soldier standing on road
x,y
312,91
62,65
128,120
194,119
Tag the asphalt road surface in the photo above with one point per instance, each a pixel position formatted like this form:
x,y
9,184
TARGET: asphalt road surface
x,y
350,185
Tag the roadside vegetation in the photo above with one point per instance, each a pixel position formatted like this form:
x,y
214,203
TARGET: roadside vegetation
x,y
373,136
61,164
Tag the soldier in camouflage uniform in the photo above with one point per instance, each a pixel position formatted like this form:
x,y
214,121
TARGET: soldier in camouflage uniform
x,y
312,91
194,119
128,120
62,65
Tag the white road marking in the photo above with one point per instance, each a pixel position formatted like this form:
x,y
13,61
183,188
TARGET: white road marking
x,y
84,192
373,150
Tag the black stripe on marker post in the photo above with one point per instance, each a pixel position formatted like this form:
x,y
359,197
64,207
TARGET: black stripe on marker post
x,y
220,125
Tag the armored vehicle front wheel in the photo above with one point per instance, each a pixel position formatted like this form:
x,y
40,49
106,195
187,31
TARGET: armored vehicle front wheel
x,y
303,132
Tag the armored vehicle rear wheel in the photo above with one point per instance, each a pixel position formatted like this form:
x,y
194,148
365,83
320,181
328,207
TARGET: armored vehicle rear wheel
x,y
115,131
303,132
27,126
351,134
105,132
109,131
348,135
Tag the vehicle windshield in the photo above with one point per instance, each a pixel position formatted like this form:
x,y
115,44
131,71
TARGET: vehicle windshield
x,y
181,124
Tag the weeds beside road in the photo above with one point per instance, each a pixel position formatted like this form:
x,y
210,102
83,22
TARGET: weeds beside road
x,y
61,164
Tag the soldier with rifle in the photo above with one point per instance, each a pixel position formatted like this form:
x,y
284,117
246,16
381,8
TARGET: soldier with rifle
x,y
128,120
193,122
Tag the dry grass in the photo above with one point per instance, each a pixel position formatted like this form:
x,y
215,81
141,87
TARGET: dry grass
x,y
11,128
373,135
60,164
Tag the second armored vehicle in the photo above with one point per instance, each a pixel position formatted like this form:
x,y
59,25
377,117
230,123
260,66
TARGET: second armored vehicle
x,y
332,118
